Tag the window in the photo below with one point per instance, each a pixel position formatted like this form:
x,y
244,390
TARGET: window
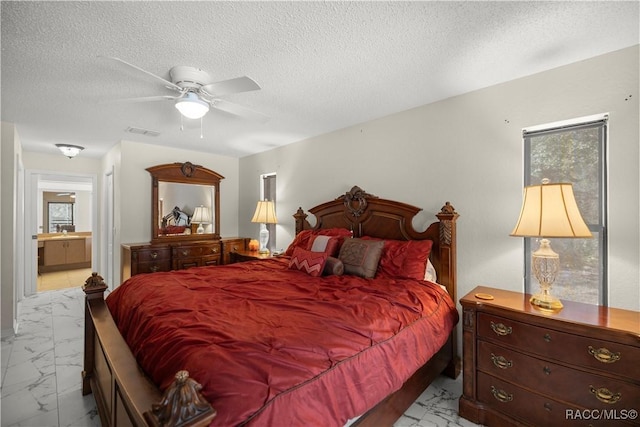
x,y
573,152
269,193
61,216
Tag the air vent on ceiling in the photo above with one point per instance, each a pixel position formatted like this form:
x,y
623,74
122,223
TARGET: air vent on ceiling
x,y
141,131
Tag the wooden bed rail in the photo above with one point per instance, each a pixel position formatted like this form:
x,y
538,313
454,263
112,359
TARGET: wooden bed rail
x,y
125,396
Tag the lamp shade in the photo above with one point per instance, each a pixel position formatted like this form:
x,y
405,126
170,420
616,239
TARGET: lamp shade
x,y
265,213
70,150
191,106
550,210
201,215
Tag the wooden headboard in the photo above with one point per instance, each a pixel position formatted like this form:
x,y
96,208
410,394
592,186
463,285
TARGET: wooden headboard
x,y
368,215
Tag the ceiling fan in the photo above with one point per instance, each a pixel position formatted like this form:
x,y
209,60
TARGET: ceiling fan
x,y
196,93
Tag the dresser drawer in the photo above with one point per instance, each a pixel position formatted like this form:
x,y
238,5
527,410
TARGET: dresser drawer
x,y
152,254
192,251
575,386
230,246
534,409
605,356
152,267
211,260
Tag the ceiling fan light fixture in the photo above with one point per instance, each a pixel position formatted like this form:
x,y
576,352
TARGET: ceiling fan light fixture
x,y
191,106
70,150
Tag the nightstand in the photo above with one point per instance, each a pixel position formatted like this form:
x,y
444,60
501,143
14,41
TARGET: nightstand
x,y
521,366
242,256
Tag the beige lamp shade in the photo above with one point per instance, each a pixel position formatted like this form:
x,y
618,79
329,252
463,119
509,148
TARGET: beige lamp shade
x,y
201,215
265,213
550,210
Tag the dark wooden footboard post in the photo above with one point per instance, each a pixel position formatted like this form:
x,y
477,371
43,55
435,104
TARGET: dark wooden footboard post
x,y
93,288
448,255
181,405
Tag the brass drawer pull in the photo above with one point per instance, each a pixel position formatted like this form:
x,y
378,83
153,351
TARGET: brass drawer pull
x,y
546,370
214,250
501,362
604,355
501,329
547,338
605,395
154,255
154,268
185,253
501,395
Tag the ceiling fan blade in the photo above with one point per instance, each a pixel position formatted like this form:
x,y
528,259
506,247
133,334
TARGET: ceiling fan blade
x,y
167,83
142,99
225,87
239,110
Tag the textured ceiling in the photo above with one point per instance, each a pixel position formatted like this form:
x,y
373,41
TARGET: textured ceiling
x,y
322,66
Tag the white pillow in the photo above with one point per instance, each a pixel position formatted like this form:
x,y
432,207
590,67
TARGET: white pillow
x,y
430,274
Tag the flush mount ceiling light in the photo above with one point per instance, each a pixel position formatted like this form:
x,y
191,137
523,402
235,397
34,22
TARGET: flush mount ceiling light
x,y
191,106
70,150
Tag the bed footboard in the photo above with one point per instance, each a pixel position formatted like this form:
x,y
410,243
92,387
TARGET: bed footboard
x,y
124,395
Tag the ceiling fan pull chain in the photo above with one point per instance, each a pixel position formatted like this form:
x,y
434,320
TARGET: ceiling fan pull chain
x,y
201,135
181,123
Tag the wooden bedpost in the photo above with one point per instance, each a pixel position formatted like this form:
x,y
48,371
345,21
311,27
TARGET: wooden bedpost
x,y
181,405
93,288
301,220
447,247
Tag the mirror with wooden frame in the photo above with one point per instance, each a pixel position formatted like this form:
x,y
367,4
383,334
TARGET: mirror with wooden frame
x,y
185,202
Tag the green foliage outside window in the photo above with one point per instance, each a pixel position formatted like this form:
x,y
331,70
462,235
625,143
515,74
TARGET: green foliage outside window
x,y
575,155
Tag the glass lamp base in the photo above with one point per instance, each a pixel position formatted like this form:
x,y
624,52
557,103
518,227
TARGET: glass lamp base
x,y
264,239
546,302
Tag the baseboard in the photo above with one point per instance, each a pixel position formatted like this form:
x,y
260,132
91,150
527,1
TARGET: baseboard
x,y
7,333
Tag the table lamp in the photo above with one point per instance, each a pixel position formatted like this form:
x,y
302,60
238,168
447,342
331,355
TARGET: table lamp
x,y
201,216
265,214
548,210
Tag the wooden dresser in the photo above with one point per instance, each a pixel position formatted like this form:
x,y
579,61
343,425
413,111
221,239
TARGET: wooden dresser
x,y
521,366
231,245
140,258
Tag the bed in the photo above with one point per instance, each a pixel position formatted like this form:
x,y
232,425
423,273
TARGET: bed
x,y
249,344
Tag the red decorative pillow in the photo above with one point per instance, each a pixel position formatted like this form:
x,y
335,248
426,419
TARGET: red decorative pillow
x,y
311,263
302,239
402,258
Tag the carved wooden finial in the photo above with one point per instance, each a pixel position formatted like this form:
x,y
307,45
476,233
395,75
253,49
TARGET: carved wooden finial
x,y
94,281
448,209
94,286
181,404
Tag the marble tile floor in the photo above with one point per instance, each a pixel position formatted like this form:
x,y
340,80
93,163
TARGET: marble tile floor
x,y
41,368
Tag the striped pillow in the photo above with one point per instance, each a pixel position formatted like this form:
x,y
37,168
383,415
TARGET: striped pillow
x,y
311,263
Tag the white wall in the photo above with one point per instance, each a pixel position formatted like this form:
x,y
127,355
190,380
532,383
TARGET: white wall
x,y
10,150
468,150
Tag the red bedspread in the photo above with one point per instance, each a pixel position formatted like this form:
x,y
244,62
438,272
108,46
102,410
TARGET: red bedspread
x,y
273,346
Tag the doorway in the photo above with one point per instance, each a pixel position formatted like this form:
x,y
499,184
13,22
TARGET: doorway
x,y
60,228
268,192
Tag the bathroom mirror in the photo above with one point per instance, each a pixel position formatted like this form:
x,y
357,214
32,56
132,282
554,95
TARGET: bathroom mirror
x,y
185,202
